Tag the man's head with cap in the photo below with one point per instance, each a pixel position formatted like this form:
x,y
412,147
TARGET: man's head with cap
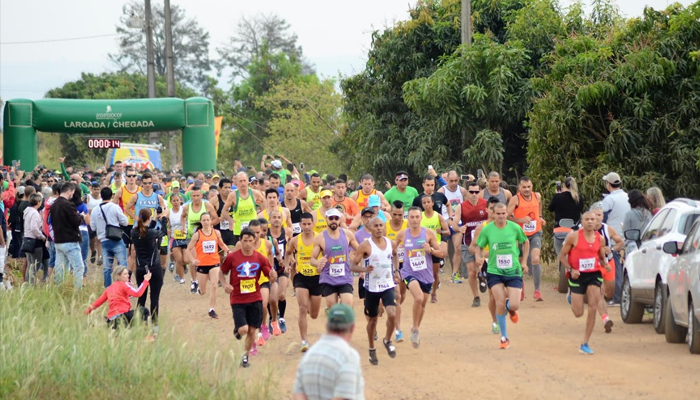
x,y
276,164
333,216
374,201
341,319
401,179
612,181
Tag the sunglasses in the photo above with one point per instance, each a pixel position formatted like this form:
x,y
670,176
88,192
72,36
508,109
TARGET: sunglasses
x,y
474,191
334,218
131,176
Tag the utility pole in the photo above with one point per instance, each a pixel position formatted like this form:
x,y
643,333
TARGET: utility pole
x,y
151,64
170,73
467,22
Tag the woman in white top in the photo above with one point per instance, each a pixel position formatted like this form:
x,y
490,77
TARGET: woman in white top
x,y
34,229
178,238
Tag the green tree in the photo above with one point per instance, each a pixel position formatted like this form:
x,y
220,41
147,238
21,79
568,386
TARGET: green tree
x,y
190,45
117,85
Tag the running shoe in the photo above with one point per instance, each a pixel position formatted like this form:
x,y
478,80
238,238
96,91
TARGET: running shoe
x,y
304,346
399,336
182,281
608,325
482,283
254,350
261,340
193,287
415,339
505,343
185,267
476,302
514,317
433,298
537,296
612,303
244,362
171,267
495,329
213,314
276,328
93,256
373,357
176,278
283,326
390,348
265,333
456,278
584,349
236,334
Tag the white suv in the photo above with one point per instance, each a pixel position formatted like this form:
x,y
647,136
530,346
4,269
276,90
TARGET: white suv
x,y
644,273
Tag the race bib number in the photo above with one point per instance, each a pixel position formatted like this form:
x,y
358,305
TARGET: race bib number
x,y
308,270
280,248
245,224
380,278
504,261
225,225
337,270
401,253
418,261
296,227
530,227
179,235
209,246
586,264
248,286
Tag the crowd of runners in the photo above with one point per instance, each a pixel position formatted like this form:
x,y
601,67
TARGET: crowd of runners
x,y
283,232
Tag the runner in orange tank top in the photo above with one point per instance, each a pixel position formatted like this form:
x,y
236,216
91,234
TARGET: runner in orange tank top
x,y
583,255
526,210
204,249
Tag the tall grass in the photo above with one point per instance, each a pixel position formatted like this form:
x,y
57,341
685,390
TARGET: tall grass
x,y
50,350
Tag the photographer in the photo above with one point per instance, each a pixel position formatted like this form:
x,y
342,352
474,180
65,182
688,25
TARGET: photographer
x,y
146,238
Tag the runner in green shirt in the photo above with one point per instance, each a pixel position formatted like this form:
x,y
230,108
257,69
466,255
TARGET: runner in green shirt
x,y
505,266
401,192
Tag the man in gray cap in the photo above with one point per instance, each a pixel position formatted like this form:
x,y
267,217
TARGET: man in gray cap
x,y
615,206
331,368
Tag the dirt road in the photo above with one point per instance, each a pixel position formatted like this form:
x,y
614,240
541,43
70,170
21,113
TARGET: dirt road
x,y
459,357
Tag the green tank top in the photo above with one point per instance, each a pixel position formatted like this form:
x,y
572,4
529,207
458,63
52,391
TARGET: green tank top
x,y
193,217
311,196
243,212
432,223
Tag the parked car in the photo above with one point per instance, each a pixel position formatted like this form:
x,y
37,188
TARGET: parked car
x,y
644,273
682,311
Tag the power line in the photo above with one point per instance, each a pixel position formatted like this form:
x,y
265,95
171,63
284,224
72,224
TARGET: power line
x,y
60,40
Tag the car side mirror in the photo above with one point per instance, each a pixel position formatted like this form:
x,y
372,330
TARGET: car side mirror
x,y
633,234
673,248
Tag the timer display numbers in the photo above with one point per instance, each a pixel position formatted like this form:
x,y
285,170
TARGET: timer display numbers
x,y
104,143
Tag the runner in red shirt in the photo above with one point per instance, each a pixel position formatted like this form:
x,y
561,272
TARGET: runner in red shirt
x,y
246,265
582,256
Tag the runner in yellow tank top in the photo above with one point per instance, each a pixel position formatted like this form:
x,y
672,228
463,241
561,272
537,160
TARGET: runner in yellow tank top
x,y
244,209
272,202
312,193
396,224
525,209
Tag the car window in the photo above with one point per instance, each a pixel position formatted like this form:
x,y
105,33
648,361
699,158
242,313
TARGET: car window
x,y
667,226
652,229
687,222
692,242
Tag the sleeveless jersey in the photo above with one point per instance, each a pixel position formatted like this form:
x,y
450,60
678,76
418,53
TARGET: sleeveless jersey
x,y
92,203
416,262
606,235
313,197
381,278
432,223
262,249
143,201
363,199
303,258
266,215
223,225
243,212
337,270
175,225
454,199
281,249
207,249
584,256
295,215
361,235
193,217
529,209
391,234
471,217
125,198
501,196
321,223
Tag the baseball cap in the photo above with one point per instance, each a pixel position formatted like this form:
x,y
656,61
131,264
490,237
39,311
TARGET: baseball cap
x,y
612,177
367,210
252,179
325,193
373,201
207,175
190,180
401,175
175,184
333,212
276,164
341,316
215,176
20,190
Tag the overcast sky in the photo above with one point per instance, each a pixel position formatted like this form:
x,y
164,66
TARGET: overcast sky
x,y
335,36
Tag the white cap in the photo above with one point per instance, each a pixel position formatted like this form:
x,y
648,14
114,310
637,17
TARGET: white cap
x,y
333,212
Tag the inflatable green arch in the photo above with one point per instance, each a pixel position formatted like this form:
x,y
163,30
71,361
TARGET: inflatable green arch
x,y
195,116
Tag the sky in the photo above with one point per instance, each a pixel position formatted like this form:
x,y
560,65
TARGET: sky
x,y
335,36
